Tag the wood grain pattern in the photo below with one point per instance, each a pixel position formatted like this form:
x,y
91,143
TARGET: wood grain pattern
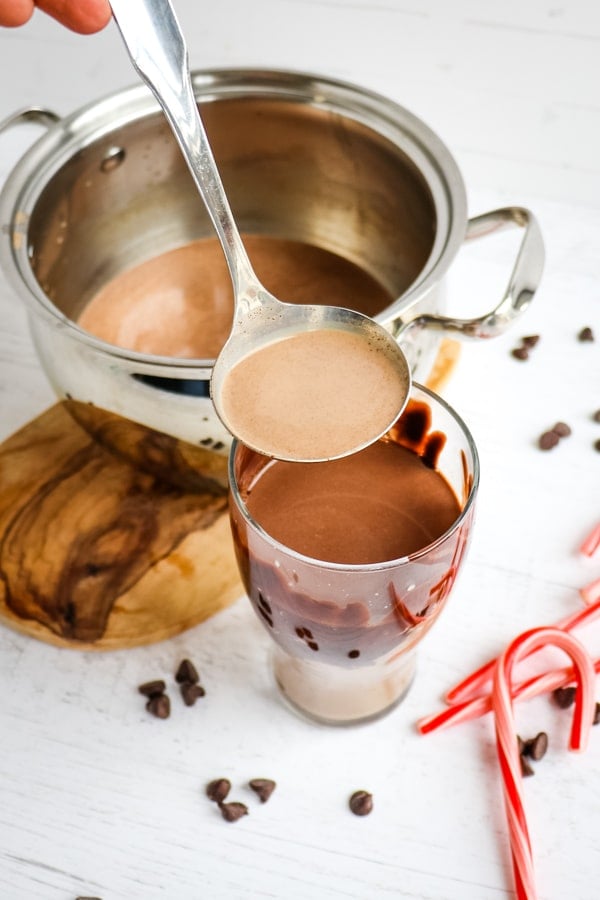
x,y
96,552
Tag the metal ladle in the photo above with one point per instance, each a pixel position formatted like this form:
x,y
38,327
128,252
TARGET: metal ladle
x,y
157,48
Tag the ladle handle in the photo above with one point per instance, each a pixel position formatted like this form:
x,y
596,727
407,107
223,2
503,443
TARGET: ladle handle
x,y
158,50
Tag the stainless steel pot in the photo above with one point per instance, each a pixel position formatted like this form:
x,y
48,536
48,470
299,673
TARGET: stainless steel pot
x,y
302,157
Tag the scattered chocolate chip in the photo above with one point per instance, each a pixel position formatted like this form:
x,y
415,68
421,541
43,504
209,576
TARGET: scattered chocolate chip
x,y
530,340
521,353
353,654
186,672
264,787
562,429
526,769
313,645
538,746
564,697
596,416
586,334
548,440
152,688
218,789
361,803
159,705
191,692
596,719
597,445
231,812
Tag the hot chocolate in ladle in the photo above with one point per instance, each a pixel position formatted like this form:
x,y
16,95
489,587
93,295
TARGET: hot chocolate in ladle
x,y
297,382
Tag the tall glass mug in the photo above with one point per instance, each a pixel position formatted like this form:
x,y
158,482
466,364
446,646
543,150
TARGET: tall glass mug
x,y
349,563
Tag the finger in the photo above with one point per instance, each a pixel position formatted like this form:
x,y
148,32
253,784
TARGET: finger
x,y
82,16
15,12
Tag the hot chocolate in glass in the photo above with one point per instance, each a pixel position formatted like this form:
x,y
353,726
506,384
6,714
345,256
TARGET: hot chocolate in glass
x,y
348,563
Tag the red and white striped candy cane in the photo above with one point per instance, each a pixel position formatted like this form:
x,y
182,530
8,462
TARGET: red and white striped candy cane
x,y
506,737
479,706
475,684
592,542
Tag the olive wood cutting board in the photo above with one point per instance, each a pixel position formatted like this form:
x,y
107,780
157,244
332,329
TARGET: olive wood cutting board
x,y
95,552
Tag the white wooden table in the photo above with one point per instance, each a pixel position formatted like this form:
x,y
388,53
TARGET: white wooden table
x,y
99,799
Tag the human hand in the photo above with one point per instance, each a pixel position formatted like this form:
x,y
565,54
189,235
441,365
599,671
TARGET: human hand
x,y
83,16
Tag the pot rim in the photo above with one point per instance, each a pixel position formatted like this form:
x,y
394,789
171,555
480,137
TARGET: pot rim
x,y
101,117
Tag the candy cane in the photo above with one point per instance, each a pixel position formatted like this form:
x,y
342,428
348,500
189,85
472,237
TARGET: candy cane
x,y
591,593
473,685
479,706
506,739
592,542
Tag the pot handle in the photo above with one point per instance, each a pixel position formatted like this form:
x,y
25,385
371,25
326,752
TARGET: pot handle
x,y
36,114
523,282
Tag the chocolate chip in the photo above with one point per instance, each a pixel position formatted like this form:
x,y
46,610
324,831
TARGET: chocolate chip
x,y
596,719
586,334
361,803
525,747
562,429
531,340
160,706
596,416
353,654
186,672
268,619
526,769
313,645
264,787
152,688
521,353
191,692
231,812
597,445
538,746
304,633
548,440
218,789
264,603
564,697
